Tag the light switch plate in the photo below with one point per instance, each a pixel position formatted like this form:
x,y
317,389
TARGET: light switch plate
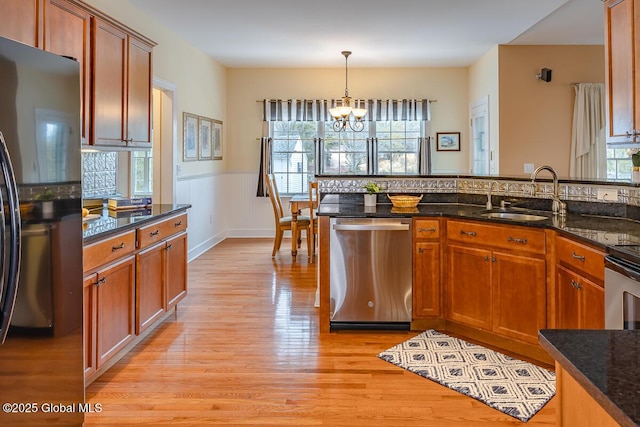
x,y
607,195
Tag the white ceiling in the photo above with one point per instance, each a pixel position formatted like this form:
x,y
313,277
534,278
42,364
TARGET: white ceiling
x,y
381,33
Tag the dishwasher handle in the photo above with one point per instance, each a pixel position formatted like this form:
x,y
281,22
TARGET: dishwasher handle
x,y
623,267
371,227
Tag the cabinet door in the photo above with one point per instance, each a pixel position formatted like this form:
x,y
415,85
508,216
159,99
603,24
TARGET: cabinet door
x,y
89,325
519,296
176,258
592,304
426,280
150,286
139,80
568,299
20,21
67,32
469,286
108,103
115,308
622,83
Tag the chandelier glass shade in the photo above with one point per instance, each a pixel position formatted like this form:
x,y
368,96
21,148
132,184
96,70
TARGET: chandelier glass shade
x,y
345,114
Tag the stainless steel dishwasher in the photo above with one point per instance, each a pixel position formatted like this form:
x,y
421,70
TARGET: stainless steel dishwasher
x,y
371,273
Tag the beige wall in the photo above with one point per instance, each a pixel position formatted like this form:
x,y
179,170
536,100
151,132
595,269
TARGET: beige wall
x,y
246,85
200,81
483,81
535,116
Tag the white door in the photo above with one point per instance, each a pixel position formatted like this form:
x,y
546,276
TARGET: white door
x,y
480,149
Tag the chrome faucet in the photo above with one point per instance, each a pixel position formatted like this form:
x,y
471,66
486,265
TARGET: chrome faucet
x,y
558,207
489,205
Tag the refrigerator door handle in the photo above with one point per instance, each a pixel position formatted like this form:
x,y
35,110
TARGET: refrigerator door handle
x,y
10,288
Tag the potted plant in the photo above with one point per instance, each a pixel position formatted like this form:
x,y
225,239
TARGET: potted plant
x,y
371,197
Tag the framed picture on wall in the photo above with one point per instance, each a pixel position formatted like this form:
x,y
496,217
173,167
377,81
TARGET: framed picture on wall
x,y
216,140
190,137
204,146
448,141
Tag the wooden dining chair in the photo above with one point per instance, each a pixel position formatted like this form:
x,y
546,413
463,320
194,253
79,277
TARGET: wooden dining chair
x,y
283,222
314,201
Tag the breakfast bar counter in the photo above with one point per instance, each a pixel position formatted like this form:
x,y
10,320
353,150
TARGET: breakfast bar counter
x,y
604,363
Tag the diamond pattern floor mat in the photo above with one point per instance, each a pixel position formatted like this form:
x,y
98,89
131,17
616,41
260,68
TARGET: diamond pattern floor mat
x,y
517,388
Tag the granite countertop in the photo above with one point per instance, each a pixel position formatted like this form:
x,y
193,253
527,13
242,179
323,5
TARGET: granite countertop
x,y
598,230
112,222
605,363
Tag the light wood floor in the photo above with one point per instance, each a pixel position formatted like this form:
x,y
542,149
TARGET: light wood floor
x,y
245,350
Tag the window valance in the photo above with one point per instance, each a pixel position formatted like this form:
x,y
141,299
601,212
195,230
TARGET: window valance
x,y
290,110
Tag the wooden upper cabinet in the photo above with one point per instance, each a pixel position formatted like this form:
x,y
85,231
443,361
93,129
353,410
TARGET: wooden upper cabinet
x,y
67,30
109,55
121,87
139,83
622,18
20,20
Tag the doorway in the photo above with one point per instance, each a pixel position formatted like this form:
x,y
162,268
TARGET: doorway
x,y
164,141
481,154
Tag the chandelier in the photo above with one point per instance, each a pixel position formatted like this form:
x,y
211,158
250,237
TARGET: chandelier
x,y
344,115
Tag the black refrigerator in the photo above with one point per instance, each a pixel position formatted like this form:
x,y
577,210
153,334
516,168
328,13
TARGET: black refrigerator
x,y
41,299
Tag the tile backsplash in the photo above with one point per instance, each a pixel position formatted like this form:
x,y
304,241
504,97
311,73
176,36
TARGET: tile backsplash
x,y
99,172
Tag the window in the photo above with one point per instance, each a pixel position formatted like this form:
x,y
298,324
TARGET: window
x,y
346,152
292,155
618,164
382,148
142,169
303,142
397,147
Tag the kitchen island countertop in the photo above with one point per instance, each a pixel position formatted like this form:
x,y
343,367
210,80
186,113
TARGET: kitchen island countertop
x,y
605,363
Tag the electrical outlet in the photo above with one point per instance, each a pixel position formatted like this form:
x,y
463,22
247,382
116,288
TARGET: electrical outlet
x,y
607,195
528,168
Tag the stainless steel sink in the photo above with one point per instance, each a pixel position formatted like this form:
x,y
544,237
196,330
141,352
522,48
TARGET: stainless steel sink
x,y
514,216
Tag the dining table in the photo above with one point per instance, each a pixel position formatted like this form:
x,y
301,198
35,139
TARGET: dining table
x,y
297,203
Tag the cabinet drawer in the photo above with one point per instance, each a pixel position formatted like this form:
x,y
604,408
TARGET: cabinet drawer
x,y
426,229
497,236
581,258
110,249
152,233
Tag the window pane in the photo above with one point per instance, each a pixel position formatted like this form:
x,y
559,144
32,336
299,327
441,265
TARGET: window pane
x,y
398,151
292,158
345,152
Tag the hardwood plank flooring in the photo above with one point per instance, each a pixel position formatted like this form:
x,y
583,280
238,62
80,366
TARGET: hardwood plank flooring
x,y
244,349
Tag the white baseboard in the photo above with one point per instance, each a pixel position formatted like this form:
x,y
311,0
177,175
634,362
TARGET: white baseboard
x,y
205,246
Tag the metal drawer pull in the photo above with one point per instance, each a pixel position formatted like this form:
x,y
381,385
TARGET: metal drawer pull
x,y
486,258
115,248
578,257
517,240
177,224
154,233
468,233
425,230
100,281
169,246
494,259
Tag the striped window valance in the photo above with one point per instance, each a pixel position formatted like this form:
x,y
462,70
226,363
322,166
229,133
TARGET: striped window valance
x,y
285,110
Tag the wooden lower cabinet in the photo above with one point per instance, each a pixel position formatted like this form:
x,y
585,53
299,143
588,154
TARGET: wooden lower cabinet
x,y
496,279
150,286
89,328
518,296
576,407
580,301
426,293
115,306
469,286
161,279
176,260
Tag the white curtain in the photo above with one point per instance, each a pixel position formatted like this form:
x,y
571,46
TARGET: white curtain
x,y
588,146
